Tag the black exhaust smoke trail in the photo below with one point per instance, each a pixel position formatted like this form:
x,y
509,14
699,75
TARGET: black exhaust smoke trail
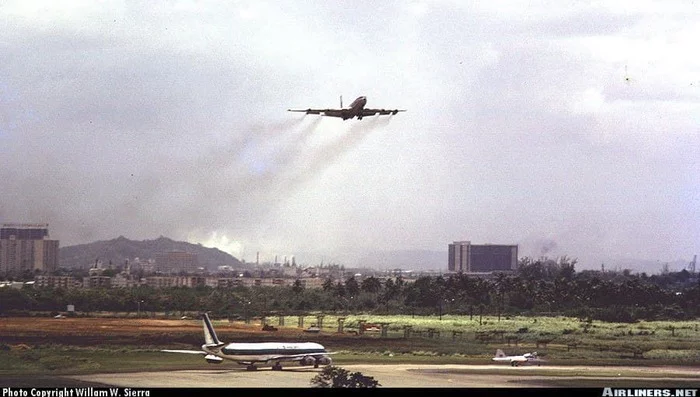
x,y
240,176
234,184
294,149
328,154
241,180
227,155
276,127
354,135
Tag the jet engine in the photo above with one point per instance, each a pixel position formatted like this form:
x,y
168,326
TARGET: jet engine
x,y
212,359
307,361
324,361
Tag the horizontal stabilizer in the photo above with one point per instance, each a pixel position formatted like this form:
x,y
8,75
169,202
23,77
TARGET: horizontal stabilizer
x,y
212,359
185,351
296,357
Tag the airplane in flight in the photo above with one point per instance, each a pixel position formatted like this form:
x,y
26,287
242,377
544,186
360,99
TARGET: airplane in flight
x,y
250,354
527,358
356,109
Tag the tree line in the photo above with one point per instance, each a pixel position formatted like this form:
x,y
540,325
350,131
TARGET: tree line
x,y
536,287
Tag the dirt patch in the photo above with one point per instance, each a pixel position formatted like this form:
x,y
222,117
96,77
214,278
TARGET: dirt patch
x,y
158,332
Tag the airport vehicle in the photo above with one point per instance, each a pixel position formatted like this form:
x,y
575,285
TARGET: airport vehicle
x,y
371,327
250,354
527,358
313,328
356,109
268,327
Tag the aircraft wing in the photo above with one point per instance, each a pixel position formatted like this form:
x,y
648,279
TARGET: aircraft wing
x,y
372,112
185,351
297,357
325,112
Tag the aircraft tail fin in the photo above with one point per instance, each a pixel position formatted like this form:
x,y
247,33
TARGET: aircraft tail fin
x,y
499,353
209,333
341,101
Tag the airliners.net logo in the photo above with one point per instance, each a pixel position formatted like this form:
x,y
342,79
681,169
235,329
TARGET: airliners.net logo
x,y
610,392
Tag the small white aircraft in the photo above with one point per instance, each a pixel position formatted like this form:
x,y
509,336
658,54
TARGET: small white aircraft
x,y
527,358
356,109
215,351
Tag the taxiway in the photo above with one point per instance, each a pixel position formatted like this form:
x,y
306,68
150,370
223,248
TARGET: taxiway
x,y
391,375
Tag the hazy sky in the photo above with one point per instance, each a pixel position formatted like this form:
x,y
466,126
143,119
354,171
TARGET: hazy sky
x,y
565,127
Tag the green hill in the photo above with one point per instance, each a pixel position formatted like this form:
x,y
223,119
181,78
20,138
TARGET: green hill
x,y
121,248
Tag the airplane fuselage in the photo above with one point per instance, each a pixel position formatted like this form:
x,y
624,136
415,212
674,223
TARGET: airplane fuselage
x,y
527,358
215,351
263,352
518,360
355,109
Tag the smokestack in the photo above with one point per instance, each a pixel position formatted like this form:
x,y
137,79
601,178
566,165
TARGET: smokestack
x,y
257,259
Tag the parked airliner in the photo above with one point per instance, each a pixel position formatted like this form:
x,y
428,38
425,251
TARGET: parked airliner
x,y
356,109
250,354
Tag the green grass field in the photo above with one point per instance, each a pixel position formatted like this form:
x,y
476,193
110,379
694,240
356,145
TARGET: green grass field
x,y
568,338
62,360
568,342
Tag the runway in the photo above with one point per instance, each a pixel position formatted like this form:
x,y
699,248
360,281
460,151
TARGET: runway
x,y
403,375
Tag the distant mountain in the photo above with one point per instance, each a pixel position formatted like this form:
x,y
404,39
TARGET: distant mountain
x,y
121,248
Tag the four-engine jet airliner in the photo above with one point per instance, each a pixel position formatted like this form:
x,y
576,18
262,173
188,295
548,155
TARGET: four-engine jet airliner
x,y
266,353
356,109
527,358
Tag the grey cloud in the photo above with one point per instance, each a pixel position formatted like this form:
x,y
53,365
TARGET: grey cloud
x,y
153,121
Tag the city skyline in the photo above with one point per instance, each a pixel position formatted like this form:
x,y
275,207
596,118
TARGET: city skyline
x,y
409,259
424,259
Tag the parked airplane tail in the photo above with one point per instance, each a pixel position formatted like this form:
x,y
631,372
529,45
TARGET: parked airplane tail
x,y
209,334
499,353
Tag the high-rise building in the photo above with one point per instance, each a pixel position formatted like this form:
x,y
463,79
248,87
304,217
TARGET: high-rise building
x,y
176,261
26,246
463,256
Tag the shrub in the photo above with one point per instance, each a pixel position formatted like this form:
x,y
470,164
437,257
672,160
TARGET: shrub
x,y
336,377
617,314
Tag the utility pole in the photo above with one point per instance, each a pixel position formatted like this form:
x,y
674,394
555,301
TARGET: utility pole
x,y
139,307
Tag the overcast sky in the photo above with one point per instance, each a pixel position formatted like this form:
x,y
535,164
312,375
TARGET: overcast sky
x,y
569,128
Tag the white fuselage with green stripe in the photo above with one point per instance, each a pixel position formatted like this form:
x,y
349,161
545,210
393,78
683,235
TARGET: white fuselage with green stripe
x,y
267,351
306,353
